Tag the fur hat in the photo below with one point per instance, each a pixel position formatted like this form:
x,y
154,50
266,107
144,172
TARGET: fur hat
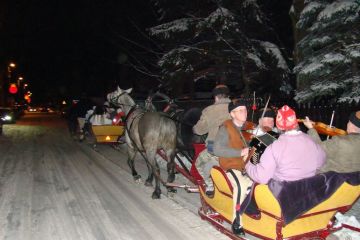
x,y
235,104
268,113
221,89
355,118
286,119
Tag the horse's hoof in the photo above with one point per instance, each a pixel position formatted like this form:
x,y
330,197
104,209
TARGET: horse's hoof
x,y
148,184
155,195
171,190
137,177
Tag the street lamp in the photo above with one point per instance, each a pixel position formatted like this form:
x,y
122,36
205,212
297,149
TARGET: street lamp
x,y
19,80
11,65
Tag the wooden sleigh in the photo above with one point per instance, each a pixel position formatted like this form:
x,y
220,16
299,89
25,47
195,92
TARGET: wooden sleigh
x,y
108,133
316,223
269,224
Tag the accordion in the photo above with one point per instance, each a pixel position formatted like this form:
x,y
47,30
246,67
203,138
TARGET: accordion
x,y
258,145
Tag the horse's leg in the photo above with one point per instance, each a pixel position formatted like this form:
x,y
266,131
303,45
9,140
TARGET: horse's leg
x,y
150,154
157,192
170,154
131,163
150,178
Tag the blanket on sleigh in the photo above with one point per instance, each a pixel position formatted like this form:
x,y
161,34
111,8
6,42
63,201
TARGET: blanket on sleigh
x,y
297,197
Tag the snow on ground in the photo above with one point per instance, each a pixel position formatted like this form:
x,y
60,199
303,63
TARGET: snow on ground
x,y
52,187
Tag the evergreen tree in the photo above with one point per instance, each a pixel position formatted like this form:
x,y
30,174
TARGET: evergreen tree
x,y
328,55
231,43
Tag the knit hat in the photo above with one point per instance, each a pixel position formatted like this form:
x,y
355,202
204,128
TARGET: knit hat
x,y
286,119
235,104
220,89
355,118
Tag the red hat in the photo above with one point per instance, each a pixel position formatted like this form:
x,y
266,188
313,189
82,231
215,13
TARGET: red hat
x,y
286,119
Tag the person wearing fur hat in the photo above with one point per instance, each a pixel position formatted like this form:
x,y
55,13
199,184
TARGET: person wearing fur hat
x,y
342,151
293,156
210,120
231,146
266,122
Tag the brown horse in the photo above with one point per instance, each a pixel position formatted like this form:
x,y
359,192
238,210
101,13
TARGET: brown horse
x,y
147,132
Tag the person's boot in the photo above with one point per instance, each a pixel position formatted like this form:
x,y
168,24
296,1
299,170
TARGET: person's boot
x,y
237,229
209,191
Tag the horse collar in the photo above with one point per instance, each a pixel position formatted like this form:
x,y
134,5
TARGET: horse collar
x,y
132,109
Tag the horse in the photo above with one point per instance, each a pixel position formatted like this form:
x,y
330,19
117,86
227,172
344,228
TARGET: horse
x,y
184,119
147,132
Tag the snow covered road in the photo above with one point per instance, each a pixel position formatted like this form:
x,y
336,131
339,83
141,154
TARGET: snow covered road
x,y
54,188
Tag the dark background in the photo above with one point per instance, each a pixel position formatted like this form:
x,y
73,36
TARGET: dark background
x,y
66,48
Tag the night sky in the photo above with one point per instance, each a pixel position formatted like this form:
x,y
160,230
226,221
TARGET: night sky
x,y
67,47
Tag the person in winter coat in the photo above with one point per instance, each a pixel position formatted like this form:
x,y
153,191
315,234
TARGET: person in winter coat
x,y
231,146
266,123
293,156
342,151
210,120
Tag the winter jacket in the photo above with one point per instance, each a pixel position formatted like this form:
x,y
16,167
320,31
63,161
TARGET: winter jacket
x,y
294,156
229,149
342,152
211,119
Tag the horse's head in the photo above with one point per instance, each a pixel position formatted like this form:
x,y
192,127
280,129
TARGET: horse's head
x,y
121,98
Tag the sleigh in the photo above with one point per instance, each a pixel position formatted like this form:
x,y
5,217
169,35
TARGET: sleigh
x,y
269,223
107,133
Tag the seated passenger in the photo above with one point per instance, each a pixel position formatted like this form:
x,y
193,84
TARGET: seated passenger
x,y
99,117
266,123
231,146
210,120
342,151
294,156
110,112
89,114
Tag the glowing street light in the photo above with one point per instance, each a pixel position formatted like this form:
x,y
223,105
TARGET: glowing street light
x,y
13,88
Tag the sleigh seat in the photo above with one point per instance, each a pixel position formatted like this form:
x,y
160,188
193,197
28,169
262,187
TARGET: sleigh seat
x,y
269,223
